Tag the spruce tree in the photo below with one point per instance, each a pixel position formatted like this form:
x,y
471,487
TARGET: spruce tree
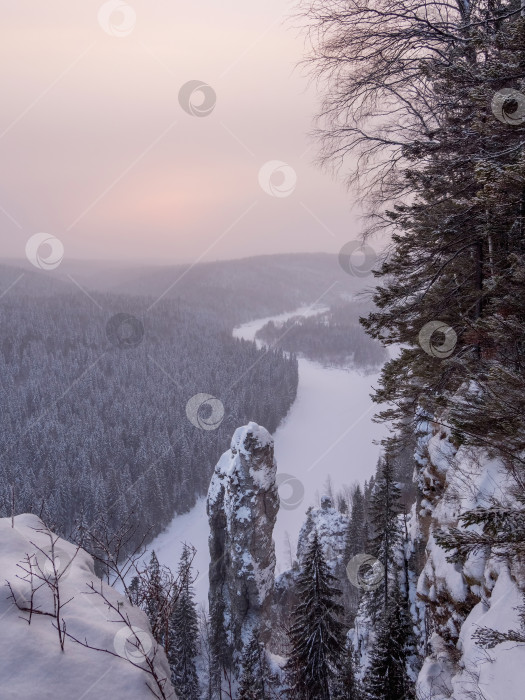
x,y
154,597
255,678
356,540
458,247
345,686
220,655
134,591
183,634
316,633
386,677
386,535
355,543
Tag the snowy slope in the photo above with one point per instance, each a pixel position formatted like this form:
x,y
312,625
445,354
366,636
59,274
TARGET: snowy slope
x,y
32,665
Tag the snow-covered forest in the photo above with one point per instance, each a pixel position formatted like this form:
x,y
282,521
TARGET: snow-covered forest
x,y
176,521
332,337
103,414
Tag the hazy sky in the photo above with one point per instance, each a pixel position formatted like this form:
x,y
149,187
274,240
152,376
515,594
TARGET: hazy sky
x,y
96,149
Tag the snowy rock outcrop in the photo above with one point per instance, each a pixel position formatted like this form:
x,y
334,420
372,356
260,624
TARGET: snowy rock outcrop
x,y
483,591
57,580
242,508
331,526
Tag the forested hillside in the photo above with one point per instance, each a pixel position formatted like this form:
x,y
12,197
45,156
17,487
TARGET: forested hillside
x,y
95,392
334,337
234,291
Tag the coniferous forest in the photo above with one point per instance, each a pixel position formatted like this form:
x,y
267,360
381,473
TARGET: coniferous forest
x,y
98,419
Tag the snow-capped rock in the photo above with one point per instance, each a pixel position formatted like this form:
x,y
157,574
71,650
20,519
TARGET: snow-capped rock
x,y
242,508
331,526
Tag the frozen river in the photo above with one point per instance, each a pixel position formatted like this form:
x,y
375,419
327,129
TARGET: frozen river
x,y
327,432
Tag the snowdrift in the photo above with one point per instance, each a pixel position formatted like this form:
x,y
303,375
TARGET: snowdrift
x,y
56,580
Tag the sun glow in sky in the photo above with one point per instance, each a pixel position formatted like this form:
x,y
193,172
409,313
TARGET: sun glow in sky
x,y
97,149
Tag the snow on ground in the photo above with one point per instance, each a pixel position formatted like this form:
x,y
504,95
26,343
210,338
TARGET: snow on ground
x,y
328,432
491,674
32,664
497,672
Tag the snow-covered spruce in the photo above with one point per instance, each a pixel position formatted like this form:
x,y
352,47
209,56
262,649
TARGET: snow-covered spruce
x,y
242,507
66,595
183,635
330,526
382,633
316,633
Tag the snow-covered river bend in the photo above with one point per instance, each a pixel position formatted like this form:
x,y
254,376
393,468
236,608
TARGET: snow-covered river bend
x,y
327,432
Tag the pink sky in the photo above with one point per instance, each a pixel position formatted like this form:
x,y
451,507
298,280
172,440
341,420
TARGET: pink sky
x,y
96,150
